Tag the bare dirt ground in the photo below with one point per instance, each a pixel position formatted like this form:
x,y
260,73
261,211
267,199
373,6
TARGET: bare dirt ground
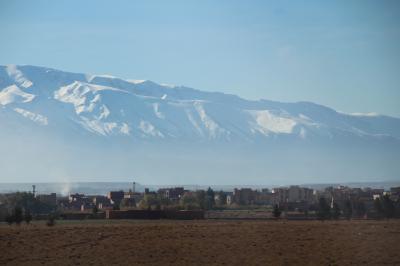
x,y
202,243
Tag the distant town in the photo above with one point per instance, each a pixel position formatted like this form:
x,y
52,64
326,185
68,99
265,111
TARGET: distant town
x,y
292,202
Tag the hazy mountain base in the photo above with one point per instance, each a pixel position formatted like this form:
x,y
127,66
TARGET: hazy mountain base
x,y
44,157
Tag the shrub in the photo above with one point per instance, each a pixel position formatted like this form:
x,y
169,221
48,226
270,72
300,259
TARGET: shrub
x,y
28,216
51,220
335,211
18,215
324,210
10,219
348,209
378,207
189,201
388,207
276,212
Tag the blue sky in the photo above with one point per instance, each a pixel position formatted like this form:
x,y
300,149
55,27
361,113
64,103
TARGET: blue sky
x,y
343,54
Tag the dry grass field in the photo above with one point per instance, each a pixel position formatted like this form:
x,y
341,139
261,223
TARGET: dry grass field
x,y
202,243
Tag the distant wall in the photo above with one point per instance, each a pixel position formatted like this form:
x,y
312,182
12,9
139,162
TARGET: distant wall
x,y
82,215
154,214
184,215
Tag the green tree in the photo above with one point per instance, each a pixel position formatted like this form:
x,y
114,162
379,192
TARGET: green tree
x,y
18,215
167,203
360,208
28,216
397,209
51,220
201,199
324,209
189,201
10,219
378,207
150,201
210,198
221,198
277,211
335,212
127,203
348,209
26,201
388,207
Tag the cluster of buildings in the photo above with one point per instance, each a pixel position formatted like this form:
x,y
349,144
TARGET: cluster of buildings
x,y
291,198
362,200
116,199
296,198
287,197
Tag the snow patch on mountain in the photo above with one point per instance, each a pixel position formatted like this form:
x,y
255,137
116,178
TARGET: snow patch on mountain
x,y
266,122
359,114
136,81
371,114
105,112
90,78
149,129
171,86
13,94
303,133
304,117
214,130
125,129
83,96
18,76
104,128
193,121
157,112
37,118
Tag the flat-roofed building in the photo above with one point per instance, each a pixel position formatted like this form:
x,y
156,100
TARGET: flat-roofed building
x,y
116,196
50,199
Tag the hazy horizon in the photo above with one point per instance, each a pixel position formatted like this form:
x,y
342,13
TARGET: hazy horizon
x,y
102,188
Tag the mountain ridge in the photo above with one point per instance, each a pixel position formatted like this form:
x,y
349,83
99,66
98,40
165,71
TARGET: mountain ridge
x,y
110,106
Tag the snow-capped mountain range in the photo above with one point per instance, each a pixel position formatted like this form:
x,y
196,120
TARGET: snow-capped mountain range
x,y
109,106
57,126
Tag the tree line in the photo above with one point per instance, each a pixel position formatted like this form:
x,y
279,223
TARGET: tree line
x,y
384,207
22,207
